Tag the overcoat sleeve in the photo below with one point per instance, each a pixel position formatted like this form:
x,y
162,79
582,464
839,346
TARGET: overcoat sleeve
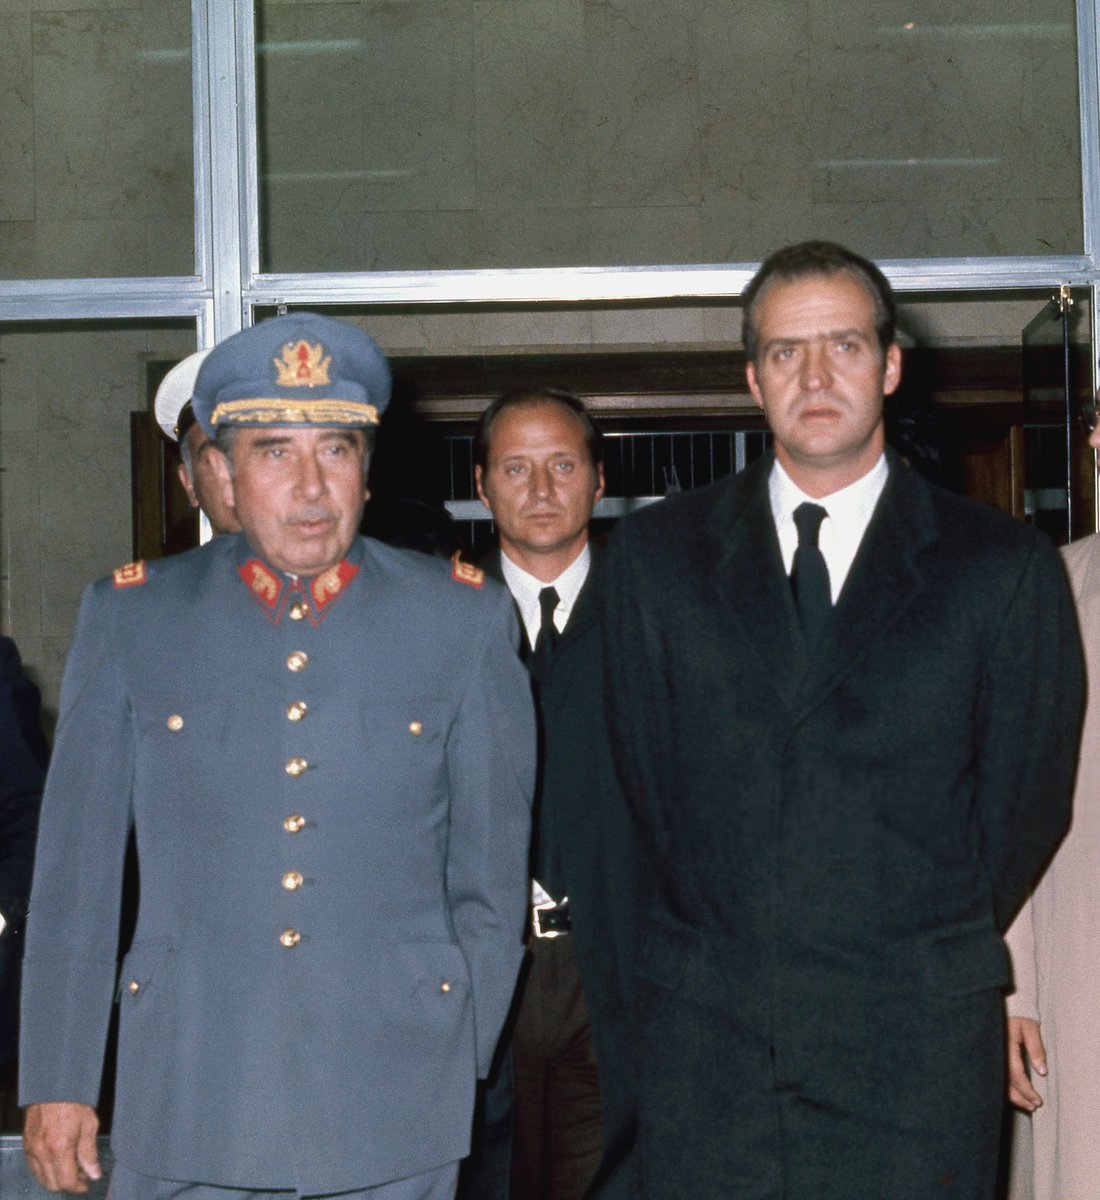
x,y
21,775
491,770
1028,727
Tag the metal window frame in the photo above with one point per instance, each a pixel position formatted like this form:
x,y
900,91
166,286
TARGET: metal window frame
x,y
228,284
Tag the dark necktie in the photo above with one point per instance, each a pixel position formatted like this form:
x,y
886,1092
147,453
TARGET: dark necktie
x,y
547,635
810,575
541,658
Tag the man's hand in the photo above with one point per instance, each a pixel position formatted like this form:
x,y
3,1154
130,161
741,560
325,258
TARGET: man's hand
x,y
1025,1050
59,1140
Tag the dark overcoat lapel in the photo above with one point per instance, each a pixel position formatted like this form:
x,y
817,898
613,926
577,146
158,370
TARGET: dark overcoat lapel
x,y
885,578
743,530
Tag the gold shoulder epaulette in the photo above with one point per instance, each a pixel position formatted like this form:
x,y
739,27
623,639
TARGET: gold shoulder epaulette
x,y
466,572
131,575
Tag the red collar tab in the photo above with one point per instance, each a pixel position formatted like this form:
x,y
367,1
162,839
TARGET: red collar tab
x,y
275,594
131,575
265,586
331,583
464,572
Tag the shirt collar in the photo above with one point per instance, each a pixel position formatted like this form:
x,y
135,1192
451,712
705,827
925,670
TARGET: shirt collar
x,y
849,509
525,588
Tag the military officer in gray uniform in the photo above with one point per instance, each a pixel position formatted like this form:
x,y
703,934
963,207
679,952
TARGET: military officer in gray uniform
x,y
326,750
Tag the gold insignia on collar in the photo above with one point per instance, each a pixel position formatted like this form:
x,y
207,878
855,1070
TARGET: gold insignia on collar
x,y
303,365
465,572
329,584
131,575
263,582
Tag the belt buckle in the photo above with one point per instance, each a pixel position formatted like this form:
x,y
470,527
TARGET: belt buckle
x,y
536,920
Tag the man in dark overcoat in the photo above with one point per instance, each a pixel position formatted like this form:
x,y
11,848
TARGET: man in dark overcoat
x,y
844,705
325,747
22,770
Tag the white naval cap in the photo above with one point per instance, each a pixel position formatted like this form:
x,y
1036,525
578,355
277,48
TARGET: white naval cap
x,y
175,392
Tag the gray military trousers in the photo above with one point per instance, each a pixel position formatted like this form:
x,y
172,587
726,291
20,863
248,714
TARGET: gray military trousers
x,y
438,1184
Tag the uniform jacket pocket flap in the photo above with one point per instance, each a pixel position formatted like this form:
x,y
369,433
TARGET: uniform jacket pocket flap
x,y
142,969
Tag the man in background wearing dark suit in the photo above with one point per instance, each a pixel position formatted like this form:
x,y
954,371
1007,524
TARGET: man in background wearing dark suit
x,y
22,769
844,705
538,468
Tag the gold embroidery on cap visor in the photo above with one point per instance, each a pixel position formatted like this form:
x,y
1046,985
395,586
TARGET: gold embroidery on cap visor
x,y
271,411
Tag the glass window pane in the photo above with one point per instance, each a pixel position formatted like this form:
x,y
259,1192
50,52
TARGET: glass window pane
x,y
96,174
437,134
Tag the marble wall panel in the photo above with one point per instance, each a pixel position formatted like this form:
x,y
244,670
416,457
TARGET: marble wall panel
x,y
92,6
720,326
1055,224
950,113
84,477
170,248
1056,143
314,84
643,103
167,198
622,237
638,326
88,101
533,329
433,331
16,120
90,379
762,117
107,131
543,237
422,241
417,105
946,110
754,65
948,228
20,543
531,104
18,386
320,241
71,248
738,233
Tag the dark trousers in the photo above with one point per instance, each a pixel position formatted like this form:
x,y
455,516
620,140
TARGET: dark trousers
x,y
554,1133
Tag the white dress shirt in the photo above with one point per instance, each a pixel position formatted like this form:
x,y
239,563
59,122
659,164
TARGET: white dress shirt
x,y
525,590
842,531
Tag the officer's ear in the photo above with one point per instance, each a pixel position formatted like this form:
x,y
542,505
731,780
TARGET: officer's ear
x,y
479,481
223,473
188,486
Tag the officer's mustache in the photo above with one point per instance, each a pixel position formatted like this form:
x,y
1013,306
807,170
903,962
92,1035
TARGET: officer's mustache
x,y
305,516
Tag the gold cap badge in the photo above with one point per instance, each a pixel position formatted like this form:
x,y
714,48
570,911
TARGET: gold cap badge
x,y
303,365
